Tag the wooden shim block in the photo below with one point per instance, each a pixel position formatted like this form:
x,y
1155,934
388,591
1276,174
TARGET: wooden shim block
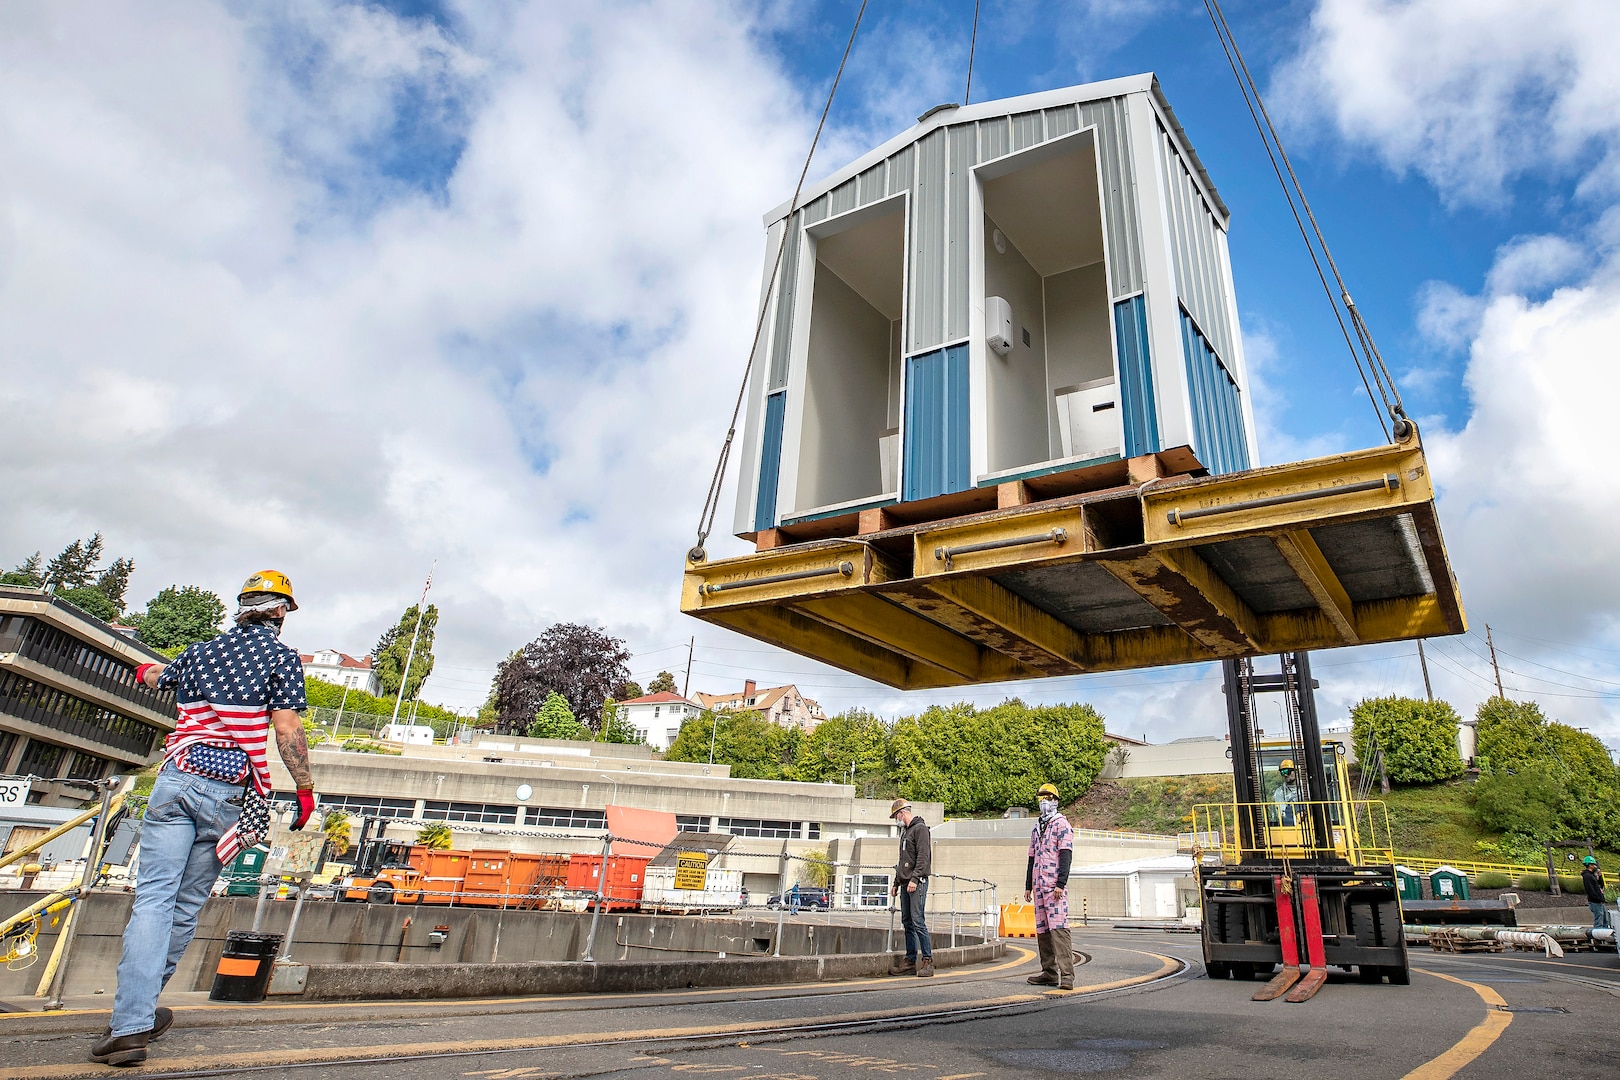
x,y
872,521
1012,493
769,539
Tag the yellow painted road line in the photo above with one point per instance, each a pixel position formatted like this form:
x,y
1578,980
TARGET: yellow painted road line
x,y
841,985
1167,966
345,1054
1476,1042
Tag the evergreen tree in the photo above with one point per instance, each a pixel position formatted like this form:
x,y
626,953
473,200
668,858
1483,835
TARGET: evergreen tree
x,y
663,684
30,572
389,656
74,567
555,720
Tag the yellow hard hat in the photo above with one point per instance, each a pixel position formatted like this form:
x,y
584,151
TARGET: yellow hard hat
x,y
1287,764
1047,790
269,581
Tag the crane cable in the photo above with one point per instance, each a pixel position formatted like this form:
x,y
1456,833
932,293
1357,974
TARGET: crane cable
x,y
711,502
1379,370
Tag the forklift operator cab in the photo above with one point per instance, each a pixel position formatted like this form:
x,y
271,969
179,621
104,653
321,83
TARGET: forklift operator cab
x,y
1285,797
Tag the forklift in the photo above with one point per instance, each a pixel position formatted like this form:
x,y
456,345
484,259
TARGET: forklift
x,y
1293,871
383,872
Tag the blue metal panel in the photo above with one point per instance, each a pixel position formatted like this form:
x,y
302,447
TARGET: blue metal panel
x,y
1139,414
1217,410
770,462
936,439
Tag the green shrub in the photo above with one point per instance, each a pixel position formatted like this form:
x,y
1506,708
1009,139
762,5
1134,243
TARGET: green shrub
x,y
1571,884
1418,738
1533,882
1491,880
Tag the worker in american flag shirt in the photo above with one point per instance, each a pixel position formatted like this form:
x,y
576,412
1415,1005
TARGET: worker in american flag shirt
x,y
210,799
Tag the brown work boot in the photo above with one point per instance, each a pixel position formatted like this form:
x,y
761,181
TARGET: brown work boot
x,y
1043,979
123,1050
925,967
906,967
161,1023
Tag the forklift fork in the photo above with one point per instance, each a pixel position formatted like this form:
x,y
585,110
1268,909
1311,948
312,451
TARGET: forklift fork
x,y
1315,950
1282,889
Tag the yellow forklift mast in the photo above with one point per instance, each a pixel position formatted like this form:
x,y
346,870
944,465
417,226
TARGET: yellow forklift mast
x,y
1293,871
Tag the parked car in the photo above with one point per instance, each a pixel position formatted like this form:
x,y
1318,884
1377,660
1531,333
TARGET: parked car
x,y
809,897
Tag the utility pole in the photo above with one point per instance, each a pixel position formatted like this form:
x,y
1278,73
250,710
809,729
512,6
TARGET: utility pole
x,y
1423,661
421,610
686,686
1494,666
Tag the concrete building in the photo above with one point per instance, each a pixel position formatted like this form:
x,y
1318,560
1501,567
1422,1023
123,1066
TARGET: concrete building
x,y
70,709
341,669
658,717
781,705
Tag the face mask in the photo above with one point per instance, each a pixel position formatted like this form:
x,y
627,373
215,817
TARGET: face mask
x,y
1048,807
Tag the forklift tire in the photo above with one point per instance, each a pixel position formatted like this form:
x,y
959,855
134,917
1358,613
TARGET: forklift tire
x,y
380,893
1217,970
1370,973
1399,976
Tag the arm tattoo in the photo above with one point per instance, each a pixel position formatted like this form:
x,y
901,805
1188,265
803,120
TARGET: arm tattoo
x,y
294,750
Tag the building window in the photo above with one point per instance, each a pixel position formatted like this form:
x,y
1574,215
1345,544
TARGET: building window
x,y
8,743
61,651
480,813
40,759
773,830
866,890
87,767
691,823
568,819
641,733
356,805
814,832
656,709
28,700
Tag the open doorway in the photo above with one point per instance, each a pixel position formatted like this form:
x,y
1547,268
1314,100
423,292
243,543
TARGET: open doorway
x,y
849,452
1051,396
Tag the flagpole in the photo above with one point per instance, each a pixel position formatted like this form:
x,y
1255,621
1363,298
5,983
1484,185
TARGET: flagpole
x,y
421,610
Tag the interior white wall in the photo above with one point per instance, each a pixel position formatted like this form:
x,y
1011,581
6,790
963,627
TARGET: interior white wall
x,y
846,396
1016,385
1079,339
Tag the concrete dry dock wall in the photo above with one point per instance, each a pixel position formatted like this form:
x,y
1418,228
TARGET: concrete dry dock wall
x,y
356,982
366,934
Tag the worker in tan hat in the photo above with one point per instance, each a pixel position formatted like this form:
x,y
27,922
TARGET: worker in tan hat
x,y
911,888
1046,883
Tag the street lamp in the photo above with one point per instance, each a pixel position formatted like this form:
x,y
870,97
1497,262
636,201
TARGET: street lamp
x,y
615,783
713,729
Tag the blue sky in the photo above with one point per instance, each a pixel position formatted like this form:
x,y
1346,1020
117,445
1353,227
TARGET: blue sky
x,y
360,287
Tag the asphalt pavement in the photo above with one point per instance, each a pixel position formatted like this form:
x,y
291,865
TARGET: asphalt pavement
x,y
1142,1008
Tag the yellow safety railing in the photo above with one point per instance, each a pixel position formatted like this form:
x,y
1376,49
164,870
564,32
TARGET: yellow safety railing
x,y
1358,831
1470,867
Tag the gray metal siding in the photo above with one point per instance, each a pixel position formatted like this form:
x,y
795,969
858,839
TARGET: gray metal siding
x,y
1119,205
786,285
926,325
1195,250
964,148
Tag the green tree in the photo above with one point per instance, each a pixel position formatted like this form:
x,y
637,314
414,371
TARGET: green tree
x,y
30,572
179,616
1526,805
663,684
393,649
1516,739
976,760
1418,738
435,835
616,728
628,691
91,601
335,824
556,720
754,747
851,747
817,871
74,567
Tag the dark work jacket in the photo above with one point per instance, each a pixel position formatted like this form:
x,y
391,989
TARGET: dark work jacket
x,y
1593,880
916,851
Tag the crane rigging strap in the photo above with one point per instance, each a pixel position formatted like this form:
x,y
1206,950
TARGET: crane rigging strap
x,y
1374,359
711,501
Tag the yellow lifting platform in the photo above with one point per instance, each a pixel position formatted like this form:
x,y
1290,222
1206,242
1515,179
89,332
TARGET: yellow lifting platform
x,y
1340,550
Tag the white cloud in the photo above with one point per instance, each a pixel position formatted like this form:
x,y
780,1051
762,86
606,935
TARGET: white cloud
x,y
1469,95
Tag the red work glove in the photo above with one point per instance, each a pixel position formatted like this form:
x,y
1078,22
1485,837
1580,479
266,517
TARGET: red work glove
x,y
306,807
141,670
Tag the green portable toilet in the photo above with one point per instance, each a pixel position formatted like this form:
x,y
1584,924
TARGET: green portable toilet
x,y
1409,883
242,876
1448,883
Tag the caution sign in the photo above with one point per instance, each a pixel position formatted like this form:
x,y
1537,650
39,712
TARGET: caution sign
x,y
691,871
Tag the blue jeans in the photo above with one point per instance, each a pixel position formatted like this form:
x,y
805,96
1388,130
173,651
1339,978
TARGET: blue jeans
x,y
185,817
913,916
1600,916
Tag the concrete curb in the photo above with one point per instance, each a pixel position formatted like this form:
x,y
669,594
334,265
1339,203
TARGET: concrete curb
x,y
383,981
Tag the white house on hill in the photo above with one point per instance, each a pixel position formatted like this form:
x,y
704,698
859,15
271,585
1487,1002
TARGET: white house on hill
x,y
341,669
657,718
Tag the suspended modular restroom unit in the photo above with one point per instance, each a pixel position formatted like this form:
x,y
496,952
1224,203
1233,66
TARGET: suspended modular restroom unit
x,y
999,425
1011,290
